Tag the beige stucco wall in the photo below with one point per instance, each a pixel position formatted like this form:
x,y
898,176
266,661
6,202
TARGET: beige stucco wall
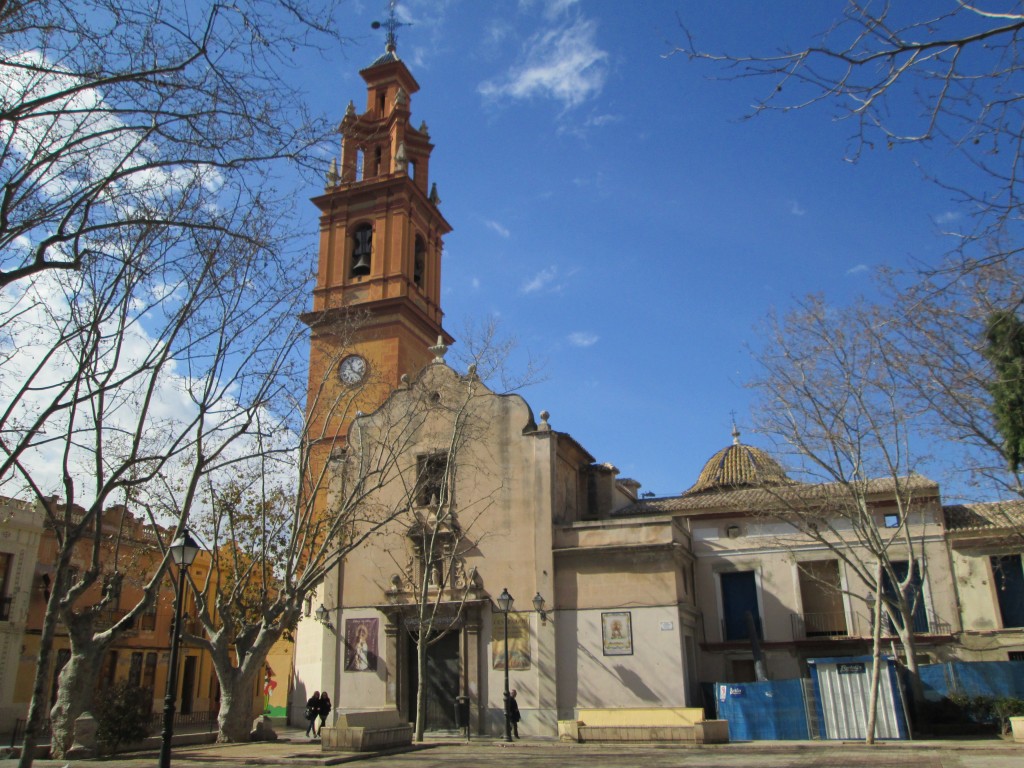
x,y
773,551
984,637
503,497
507,499
21,525
315,663
651,676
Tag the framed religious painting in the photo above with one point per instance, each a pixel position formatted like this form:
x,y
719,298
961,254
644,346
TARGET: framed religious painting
x,y
617,633
360,645
518,642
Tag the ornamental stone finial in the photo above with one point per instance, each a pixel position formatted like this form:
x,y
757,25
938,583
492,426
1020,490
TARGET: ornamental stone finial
x,y
439,350
544,426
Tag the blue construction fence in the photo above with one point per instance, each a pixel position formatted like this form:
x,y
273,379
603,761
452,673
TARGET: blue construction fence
x,y
993,679
770,710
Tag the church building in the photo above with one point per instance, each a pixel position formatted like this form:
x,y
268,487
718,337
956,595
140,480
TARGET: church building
x,y
616,601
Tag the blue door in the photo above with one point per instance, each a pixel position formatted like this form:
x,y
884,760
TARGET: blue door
x,y
739,597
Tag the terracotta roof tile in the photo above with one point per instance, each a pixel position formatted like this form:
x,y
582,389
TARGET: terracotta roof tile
x,y
988,516
759,499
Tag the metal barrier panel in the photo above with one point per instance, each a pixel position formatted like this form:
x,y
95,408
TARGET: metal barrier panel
x,y
768,710
844,692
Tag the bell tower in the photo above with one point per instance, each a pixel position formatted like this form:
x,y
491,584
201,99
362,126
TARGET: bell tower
x,y
377,301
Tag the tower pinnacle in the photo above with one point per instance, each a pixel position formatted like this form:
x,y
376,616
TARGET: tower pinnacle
x,y
391,25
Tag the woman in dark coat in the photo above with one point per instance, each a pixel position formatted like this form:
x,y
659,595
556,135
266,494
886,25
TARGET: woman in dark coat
x,y
312,712
325,709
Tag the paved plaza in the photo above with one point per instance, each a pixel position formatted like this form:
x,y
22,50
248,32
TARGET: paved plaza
x,y
296,752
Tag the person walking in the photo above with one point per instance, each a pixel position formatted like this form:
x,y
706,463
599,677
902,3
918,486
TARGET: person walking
x,y
513,712
312,713
325,710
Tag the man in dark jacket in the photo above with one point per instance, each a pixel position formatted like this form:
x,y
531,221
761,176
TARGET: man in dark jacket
x,y
513,712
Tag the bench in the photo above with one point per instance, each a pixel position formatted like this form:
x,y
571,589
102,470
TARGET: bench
x,y
685,724
367,732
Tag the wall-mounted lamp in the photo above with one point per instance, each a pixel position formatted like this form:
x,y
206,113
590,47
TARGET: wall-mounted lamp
x,y
538,606
322,615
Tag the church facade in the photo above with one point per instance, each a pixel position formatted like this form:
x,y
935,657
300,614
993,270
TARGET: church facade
x,y
619,601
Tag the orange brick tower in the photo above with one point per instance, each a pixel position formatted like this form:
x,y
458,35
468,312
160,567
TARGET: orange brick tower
x,y
376,304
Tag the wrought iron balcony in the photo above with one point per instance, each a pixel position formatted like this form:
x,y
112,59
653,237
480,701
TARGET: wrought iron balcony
x,y
811,625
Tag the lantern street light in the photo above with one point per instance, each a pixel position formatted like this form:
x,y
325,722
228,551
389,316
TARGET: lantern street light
x,y
505,605
538,606
183,552
323,616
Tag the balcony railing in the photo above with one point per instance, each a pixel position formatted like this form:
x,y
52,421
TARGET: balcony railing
x,y
107,618
924,623
809,625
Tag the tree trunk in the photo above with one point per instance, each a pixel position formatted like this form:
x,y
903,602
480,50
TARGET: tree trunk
x,y
876,658
914,674
77,687
234,721
37,706
238,683
421,684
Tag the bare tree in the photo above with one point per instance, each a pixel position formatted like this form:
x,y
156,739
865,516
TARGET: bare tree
x,y
289,514
831,397
120,116
939,329
131,383
907,75
435,581
148,299
910,75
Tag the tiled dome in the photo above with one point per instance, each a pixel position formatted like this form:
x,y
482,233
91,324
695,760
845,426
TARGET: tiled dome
x,y
739,466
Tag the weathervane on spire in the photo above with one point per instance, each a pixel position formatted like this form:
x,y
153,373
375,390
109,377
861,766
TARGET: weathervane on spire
x,y
391,25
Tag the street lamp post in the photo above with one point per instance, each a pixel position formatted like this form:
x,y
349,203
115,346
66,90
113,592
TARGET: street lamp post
x,y
505,605
183,552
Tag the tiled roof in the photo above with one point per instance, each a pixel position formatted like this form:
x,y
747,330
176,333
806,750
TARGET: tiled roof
x,y
739,466
985,517
385,58
760,499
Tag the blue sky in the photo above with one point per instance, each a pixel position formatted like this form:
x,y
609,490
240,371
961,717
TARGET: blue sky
x,y
616,213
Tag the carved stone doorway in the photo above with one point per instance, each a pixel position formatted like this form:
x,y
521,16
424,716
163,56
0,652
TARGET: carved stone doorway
x,y
442,681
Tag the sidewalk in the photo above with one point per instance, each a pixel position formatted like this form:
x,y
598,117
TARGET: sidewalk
x,y
294,750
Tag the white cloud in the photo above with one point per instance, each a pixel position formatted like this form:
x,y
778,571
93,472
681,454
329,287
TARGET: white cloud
x,y
37,367
550,8
583,339
858,270
796,209
598,121
540,281
497,31
564,64
947,218
497,227
474,283
555,8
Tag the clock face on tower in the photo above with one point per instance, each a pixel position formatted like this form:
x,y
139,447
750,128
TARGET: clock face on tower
x,y
352,370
